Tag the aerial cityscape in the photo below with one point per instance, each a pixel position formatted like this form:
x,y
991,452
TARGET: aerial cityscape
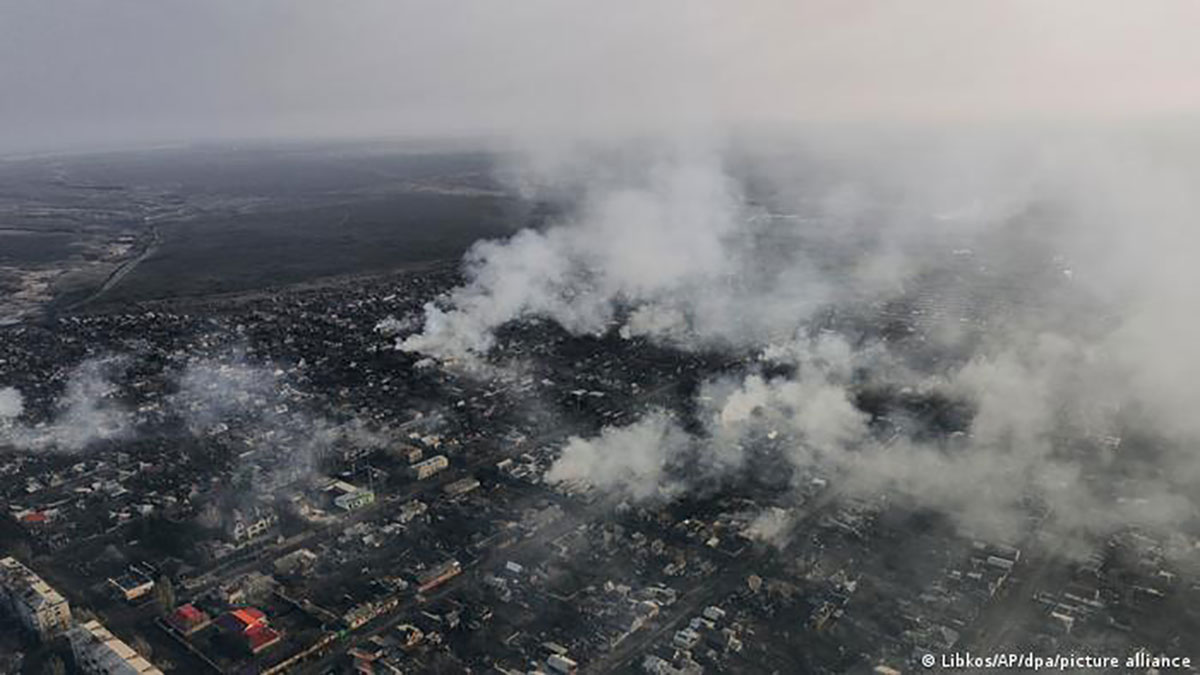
x,y
380,342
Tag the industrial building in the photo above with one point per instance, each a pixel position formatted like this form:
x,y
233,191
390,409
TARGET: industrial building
x,y
431,466
558,663
349,497
23,594
461,486
438,575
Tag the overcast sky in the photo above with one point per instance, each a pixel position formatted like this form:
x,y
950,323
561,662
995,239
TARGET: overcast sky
x,y
86,72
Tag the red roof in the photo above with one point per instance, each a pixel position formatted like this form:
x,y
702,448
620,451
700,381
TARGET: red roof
x,y
34,517
261,637
251,624
242,620
187,614
188,618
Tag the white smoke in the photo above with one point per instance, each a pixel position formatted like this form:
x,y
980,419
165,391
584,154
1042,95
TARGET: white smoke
x,y
258,403
87,412
1040,408
631,244
772,526
820,414
629,461
390,326
216,391
12,404
1048,277
676,242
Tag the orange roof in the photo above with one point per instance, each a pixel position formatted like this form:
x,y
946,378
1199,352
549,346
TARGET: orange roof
x,y
249,616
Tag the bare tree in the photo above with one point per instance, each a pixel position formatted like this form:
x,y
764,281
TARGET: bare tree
x,y
54,666
164,594
142,646
22,551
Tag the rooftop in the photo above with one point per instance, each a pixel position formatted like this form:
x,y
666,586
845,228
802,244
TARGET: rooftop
x,y
27,584
110,652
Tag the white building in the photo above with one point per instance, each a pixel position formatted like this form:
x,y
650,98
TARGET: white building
x,y
246,530
38,607
99,652
562,665
131,586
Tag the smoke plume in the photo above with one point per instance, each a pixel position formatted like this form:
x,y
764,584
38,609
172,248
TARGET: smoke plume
x,y
11,404
1038,284
257,404
85,413
631,462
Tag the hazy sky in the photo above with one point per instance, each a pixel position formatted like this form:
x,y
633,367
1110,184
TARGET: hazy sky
x,y
117,71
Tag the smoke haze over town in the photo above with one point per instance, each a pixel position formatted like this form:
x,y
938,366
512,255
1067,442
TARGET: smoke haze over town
x,y
669,337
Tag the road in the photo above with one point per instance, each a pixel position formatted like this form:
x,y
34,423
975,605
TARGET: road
x,y
125,268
